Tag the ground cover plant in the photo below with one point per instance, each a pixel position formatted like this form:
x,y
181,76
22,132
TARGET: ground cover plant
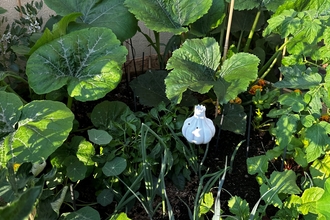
x,y
71,149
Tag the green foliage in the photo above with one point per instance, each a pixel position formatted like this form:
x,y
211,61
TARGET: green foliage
x,y
22,207
195,67
83,213
150,88
80,61
111,14
239,207
41,127
114,167
163,16
124,155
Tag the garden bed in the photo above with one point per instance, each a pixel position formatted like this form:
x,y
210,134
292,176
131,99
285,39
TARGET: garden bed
x,y
237,183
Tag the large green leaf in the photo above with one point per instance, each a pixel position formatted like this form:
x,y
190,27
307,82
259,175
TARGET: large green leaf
x,y
88,62
322,205
194,66
234,119
21,208
168,16
293,100
239,207
106,13
59,29
239,70
43,126
286,126
298,77
211,20
283,182
317,140
251,4
115,117
309,198
150,88
85,213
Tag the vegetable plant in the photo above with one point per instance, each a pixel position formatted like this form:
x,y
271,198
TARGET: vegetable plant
x,y
230,59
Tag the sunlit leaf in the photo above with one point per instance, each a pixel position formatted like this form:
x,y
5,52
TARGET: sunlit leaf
x,y
206,203
309,198
42,127
239,207
283,182
193,67
322,205
88,62
239,70
257,164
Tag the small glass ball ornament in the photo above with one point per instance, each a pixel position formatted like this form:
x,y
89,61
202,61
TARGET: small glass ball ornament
x,y
198,129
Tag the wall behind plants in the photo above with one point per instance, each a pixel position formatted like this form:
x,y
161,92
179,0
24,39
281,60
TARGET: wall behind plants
x,y
140,49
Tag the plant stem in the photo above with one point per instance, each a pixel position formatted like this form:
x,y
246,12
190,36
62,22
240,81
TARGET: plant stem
x,y
202,161
239,41
254,25
69,102
270,63
157,48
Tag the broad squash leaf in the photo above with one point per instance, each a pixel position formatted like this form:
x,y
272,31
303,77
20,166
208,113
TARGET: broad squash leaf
x,y
106,13
42,127
193,67
239,70
87,61
168,16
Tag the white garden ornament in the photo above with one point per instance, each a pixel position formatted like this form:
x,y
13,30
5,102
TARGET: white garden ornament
x,y
198,129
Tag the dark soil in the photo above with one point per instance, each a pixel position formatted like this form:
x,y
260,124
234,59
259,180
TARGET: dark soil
x,y
237,183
